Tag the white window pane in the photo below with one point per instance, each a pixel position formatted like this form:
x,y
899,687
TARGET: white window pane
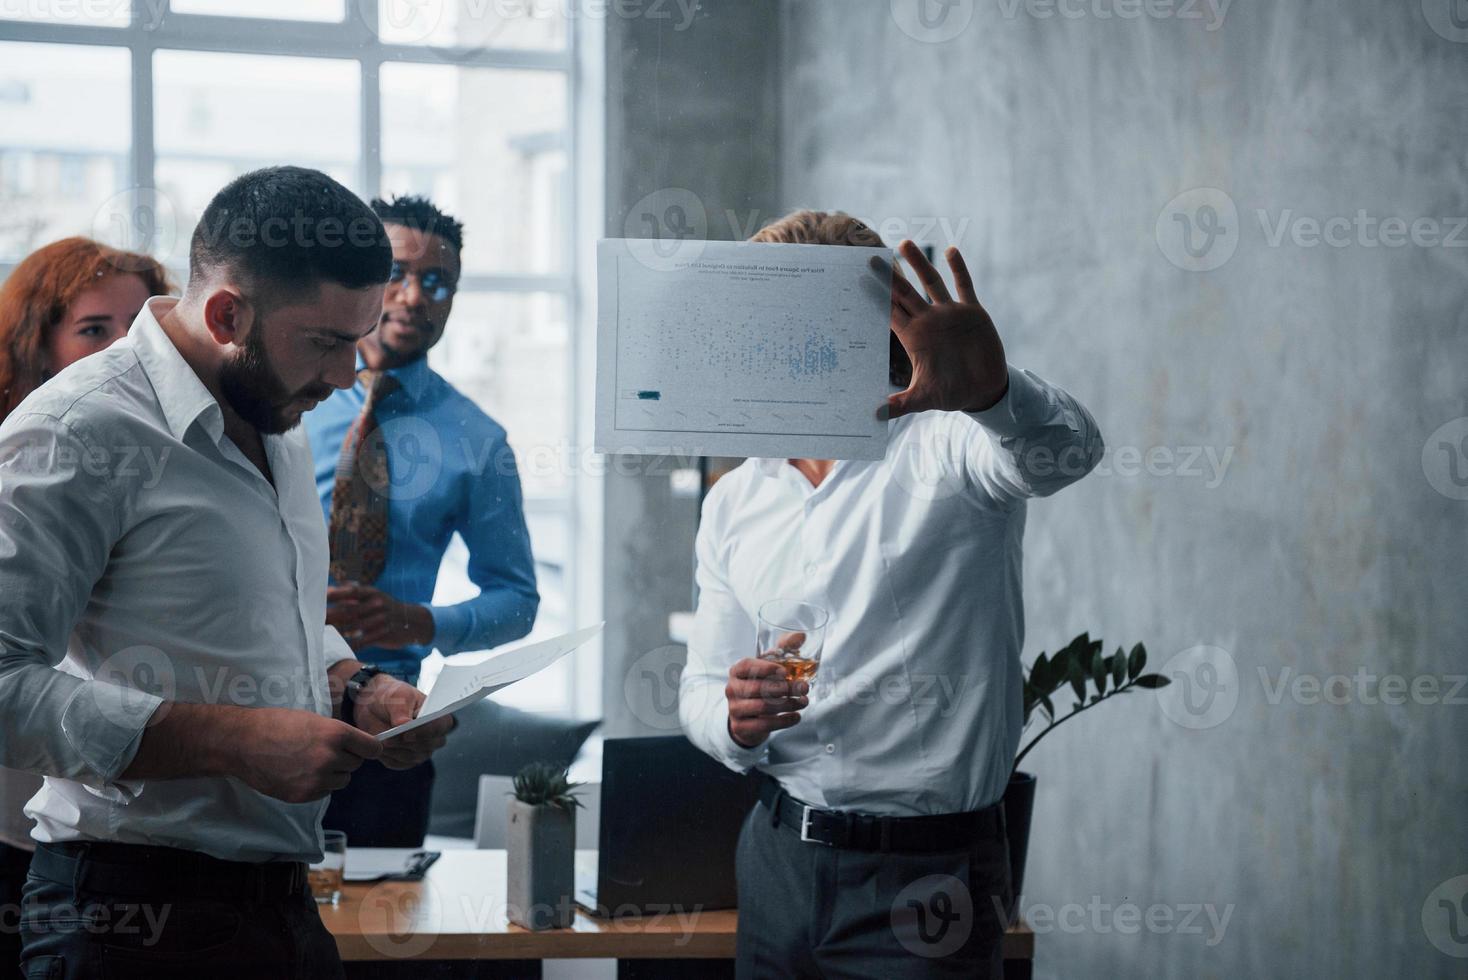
x,y
92,13
220,115
552,689
531,24
510,354
64,140
489,146
324,10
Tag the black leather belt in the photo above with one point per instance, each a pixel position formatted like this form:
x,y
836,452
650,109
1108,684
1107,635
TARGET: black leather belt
x,y
166,872
870,832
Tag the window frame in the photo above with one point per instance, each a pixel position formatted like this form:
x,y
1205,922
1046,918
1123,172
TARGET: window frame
x,y
352,39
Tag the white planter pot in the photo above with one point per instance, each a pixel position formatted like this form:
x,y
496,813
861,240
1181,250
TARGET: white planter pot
x,y
541,843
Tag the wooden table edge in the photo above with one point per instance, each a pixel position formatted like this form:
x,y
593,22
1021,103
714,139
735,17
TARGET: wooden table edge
x,y
569,944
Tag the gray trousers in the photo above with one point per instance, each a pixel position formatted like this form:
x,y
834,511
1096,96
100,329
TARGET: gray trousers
x,y
807,910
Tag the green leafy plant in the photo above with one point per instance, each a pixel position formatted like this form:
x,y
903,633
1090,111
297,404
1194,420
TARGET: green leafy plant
x,y
1091,676
542,784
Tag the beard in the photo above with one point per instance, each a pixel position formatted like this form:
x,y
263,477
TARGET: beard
x,y
255,391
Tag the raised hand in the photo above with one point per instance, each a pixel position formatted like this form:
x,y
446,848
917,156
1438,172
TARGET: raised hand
x,y
957,357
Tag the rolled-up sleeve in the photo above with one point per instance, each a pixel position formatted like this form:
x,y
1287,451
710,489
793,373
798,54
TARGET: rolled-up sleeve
x,y
1034,441
721,630
59,519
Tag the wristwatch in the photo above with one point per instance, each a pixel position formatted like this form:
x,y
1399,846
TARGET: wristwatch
x,y
356,684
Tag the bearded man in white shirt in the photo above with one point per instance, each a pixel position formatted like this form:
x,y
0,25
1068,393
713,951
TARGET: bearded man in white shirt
x,y
878,846
161,543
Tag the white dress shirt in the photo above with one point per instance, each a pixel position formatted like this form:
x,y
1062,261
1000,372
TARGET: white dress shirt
x,y
916,707
144,555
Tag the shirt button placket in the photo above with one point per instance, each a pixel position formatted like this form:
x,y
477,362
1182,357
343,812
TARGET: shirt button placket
x,y
295,568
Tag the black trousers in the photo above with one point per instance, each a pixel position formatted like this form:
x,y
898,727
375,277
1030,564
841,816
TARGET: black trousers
x,y
807,910
158,919
382,807
14,862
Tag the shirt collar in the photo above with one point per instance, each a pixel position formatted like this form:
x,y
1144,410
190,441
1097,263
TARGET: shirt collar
x,y
181,395
412,378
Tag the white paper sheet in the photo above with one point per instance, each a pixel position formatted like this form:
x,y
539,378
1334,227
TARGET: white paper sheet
x,y
372,863
741,349
459,685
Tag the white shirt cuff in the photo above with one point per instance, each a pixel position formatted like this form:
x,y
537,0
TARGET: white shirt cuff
x,y
1022,408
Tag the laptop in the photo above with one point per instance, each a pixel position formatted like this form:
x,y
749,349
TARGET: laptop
x,y
670,819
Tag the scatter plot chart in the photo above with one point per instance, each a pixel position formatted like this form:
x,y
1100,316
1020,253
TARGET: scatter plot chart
x,y
743,350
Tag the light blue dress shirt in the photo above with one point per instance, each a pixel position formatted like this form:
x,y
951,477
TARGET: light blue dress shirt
x,y
450,470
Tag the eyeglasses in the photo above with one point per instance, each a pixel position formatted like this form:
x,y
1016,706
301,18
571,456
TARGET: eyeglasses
x,y
435,285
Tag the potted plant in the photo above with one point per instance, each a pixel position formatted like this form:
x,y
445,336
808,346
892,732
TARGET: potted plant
x,y
540,835
1092,678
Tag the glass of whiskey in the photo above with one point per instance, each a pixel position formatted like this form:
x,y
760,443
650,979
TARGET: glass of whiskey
x,y
792,633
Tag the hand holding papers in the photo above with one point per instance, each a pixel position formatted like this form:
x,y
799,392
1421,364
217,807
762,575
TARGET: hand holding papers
x,y
460,685
742,349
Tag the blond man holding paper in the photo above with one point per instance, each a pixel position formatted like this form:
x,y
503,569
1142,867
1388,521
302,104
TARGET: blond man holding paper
x,y
878,848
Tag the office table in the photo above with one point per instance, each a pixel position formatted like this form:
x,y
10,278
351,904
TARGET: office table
x,y
457,913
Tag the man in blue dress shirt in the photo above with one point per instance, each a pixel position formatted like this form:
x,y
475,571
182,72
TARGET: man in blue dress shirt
x,y
442,466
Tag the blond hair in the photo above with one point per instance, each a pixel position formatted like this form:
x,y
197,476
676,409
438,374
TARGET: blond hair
x,y
807,227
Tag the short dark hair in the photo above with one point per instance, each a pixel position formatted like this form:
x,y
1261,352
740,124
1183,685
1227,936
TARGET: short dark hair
x,y
291,227
421,214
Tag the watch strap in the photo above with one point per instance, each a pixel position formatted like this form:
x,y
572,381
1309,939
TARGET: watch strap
x,y
355,684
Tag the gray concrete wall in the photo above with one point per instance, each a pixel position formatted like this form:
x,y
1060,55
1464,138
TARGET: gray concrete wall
x,y
691,129
1328,544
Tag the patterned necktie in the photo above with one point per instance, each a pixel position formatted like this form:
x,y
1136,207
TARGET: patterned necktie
x,y
358,525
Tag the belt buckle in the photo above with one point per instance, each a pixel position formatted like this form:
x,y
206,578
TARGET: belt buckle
x,y
805,828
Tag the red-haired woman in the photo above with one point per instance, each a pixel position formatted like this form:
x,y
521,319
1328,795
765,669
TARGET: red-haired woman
x,y
67,300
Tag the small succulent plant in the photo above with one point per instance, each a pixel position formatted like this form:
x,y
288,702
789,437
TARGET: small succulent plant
x,y
542,784
1091,676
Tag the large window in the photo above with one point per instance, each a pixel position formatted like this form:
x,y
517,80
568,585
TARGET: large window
x,y
120,120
